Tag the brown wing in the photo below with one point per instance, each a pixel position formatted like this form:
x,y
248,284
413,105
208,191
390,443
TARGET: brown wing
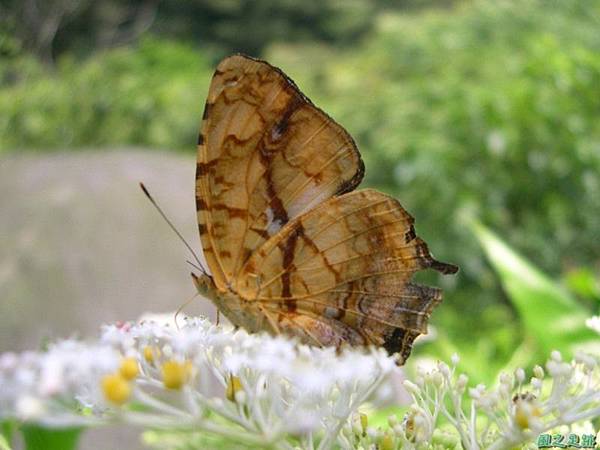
x,y
341,273
265,155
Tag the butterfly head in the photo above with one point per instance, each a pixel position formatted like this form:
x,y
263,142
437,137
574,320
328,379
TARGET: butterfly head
x,y
204,284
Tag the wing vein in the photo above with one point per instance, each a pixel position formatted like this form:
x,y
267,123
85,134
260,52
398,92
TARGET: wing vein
x,y
322,252
360,277
325,226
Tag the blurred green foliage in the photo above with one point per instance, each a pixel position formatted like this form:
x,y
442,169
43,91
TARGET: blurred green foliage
x,y
148,96
485,110
490,112
550,316
52,28
40,438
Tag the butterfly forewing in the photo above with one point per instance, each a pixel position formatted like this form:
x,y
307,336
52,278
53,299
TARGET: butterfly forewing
x,y
265,155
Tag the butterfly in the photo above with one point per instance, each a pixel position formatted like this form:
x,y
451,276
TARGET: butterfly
x,y
291,246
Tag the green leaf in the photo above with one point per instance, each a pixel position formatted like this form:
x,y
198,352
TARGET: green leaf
x,y
7,430
584,282
41,438
4,445
550,315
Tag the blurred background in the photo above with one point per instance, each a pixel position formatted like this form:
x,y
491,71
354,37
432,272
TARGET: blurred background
x,y
471,113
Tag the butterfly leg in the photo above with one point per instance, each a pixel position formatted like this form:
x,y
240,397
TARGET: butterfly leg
x,y
270,319
181,309
291,326
311,335
265,313
258,280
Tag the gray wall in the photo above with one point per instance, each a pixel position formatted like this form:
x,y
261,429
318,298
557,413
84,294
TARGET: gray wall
x,y
81,246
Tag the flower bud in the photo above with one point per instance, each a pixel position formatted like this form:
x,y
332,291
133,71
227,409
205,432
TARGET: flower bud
x,y
505,379
461,383
556,356
504,390
536,383
477,391
387,442
444,369
588,361
411,387
373,433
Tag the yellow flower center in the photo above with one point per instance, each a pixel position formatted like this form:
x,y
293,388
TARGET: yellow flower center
x,y
116,388
129,368
176,374
234,385
150,353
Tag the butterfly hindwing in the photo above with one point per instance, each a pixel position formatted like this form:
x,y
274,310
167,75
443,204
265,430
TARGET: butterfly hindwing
x,y
265,155
345,267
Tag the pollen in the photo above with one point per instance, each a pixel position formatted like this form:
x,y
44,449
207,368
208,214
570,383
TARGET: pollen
x,y
116,388
234,386
175,374
129,368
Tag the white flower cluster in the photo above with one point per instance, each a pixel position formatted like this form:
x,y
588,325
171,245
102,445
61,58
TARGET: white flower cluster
x,y
202,377
273,392
51,387
515,411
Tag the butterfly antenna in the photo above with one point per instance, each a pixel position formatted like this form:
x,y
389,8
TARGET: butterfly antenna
x,y
164,216
195,266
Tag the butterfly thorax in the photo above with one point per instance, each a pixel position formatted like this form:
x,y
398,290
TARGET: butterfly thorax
x,y
238,311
